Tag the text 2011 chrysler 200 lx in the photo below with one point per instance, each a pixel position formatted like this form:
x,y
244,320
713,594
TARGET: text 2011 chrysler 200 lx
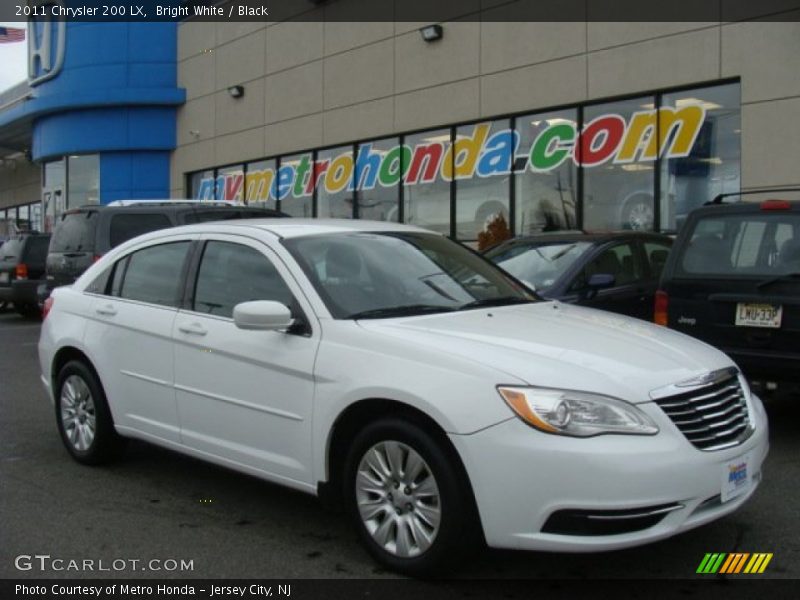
x,y
399,371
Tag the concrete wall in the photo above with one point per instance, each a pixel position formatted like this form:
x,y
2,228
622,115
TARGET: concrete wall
x,y
309,84
20,184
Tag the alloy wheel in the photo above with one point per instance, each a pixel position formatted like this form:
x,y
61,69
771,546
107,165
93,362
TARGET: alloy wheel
x,y
78,415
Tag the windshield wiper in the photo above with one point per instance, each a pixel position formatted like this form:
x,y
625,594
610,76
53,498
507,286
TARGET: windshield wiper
x,y
400,311
501,301
784,277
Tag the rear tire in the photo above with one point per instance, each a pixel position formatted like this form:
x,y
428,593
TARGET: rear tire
x,y
83,417
408,499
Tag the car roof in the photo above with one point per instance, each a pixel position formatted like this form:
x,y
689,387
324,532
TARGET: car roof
x,y
159,206
597,237
292,228
745,207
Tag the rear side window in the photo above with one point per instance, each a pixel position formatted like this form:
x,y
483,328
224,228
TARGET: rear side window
x,y
75,233
758,244
154,274
125,227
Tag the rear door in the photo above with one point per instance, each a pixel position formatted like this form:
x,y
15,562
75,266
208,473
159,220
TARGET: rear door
x,y
734,282
72,247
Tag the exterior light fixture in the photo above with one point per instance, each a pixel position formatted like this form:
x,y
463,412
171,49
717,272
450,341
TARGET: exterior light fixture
x,y
236,91
431,33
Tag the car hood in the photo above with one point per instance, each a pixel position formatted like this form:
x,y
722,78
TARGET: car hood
x,y
551,344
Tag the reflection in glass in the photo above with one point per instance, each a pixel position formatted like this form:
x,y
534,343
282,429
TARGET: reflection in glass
x,y
617,195
376,202
230,184
483,156
546,197
335,183
259,184
712,167
84,180
294,185
426,194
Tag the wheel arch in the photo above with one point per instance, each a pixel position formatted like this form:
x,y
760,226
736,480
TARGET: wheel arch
x,y
358,414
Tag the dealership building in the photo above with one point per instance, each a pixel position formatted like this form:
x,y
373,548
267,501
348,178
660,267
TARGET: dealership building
x,y
446,125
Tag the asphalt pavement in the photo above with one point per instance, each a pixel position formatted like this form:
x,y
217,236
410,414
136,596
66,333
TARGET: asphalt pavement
x,y
156,505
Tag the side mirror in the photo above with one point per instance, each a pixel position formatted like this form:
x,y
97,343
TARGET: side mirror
x,y
262,315
598,281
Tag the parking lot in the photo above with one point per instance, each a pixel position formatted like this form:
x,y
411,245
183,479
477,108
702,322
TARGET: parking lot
x,y
158,505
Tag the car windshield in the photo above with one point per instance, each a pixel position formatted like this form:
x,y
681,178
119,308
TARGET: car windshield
x,y
760,245
538,265
379,275
75,232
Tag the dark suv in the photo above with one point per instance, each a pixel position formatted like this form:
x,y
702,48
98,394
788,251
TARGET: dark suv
x,y
82,235
22,265
732,279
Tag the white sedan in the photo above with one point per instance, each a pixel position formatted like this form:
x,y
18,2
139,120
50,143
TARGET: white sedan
x,y
397,371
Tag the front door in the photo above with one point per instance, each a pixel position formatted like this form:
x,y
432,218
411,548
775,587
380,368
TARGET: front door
x,y
245,396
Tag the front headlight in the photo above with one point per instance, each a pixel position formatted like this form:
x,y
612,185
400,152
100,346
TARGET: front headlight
x,y
577,414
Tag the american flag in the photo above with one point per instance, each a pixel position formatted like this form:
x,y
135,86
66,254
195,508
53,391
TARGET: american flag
x,y
9,35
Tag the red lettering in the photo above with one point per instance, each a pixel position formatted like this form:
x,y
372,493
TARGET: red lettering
x,y
320,167
233,186
427,157
599,140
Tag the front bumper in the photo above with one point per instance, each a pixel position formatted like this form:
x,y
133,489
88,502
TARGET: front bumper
x,y
521,477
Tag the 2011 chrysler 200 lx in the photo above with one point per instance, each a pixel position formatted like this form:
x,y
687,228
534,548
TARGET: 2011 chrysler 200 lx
x,y
399,371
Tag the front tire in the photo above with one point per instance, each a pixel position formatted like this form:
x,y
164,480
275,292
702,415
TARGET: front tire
x,y
408,498
83,418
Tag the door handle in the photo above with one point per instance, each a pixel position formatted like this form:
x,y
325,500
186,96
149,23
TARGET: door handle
x,y
193,329
108,310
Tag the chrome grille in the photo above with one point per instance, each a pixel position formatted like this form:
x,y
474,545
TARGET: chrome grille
x,y
712,416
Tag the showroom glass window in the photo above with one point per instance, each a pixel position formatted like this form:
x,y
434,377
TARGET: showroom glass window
x,y
230,183
83,180
482,166
333,174
24,217
546,187
616,194
295,195
376,201
54,194
201,185
713,165
259,184
426,193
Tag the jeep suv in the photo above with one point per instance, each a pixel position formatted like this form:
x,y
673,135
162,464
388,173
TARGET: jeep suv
x,y
22,261
732,279
82,235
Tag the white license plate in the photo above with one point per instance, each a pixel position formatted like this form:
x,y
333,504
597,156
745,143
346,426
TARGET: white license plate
x,y
3,277
736,477
758,315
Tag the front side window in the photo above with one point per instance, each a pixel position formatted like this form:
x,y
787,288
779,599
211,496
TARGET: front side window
x,y
374,275
153,275
621,261
232,273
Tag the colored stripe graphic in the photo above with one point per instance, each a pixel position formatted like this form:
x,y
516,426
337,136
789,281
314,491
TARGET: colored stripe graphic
x,y
758,563
711,562
735,562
